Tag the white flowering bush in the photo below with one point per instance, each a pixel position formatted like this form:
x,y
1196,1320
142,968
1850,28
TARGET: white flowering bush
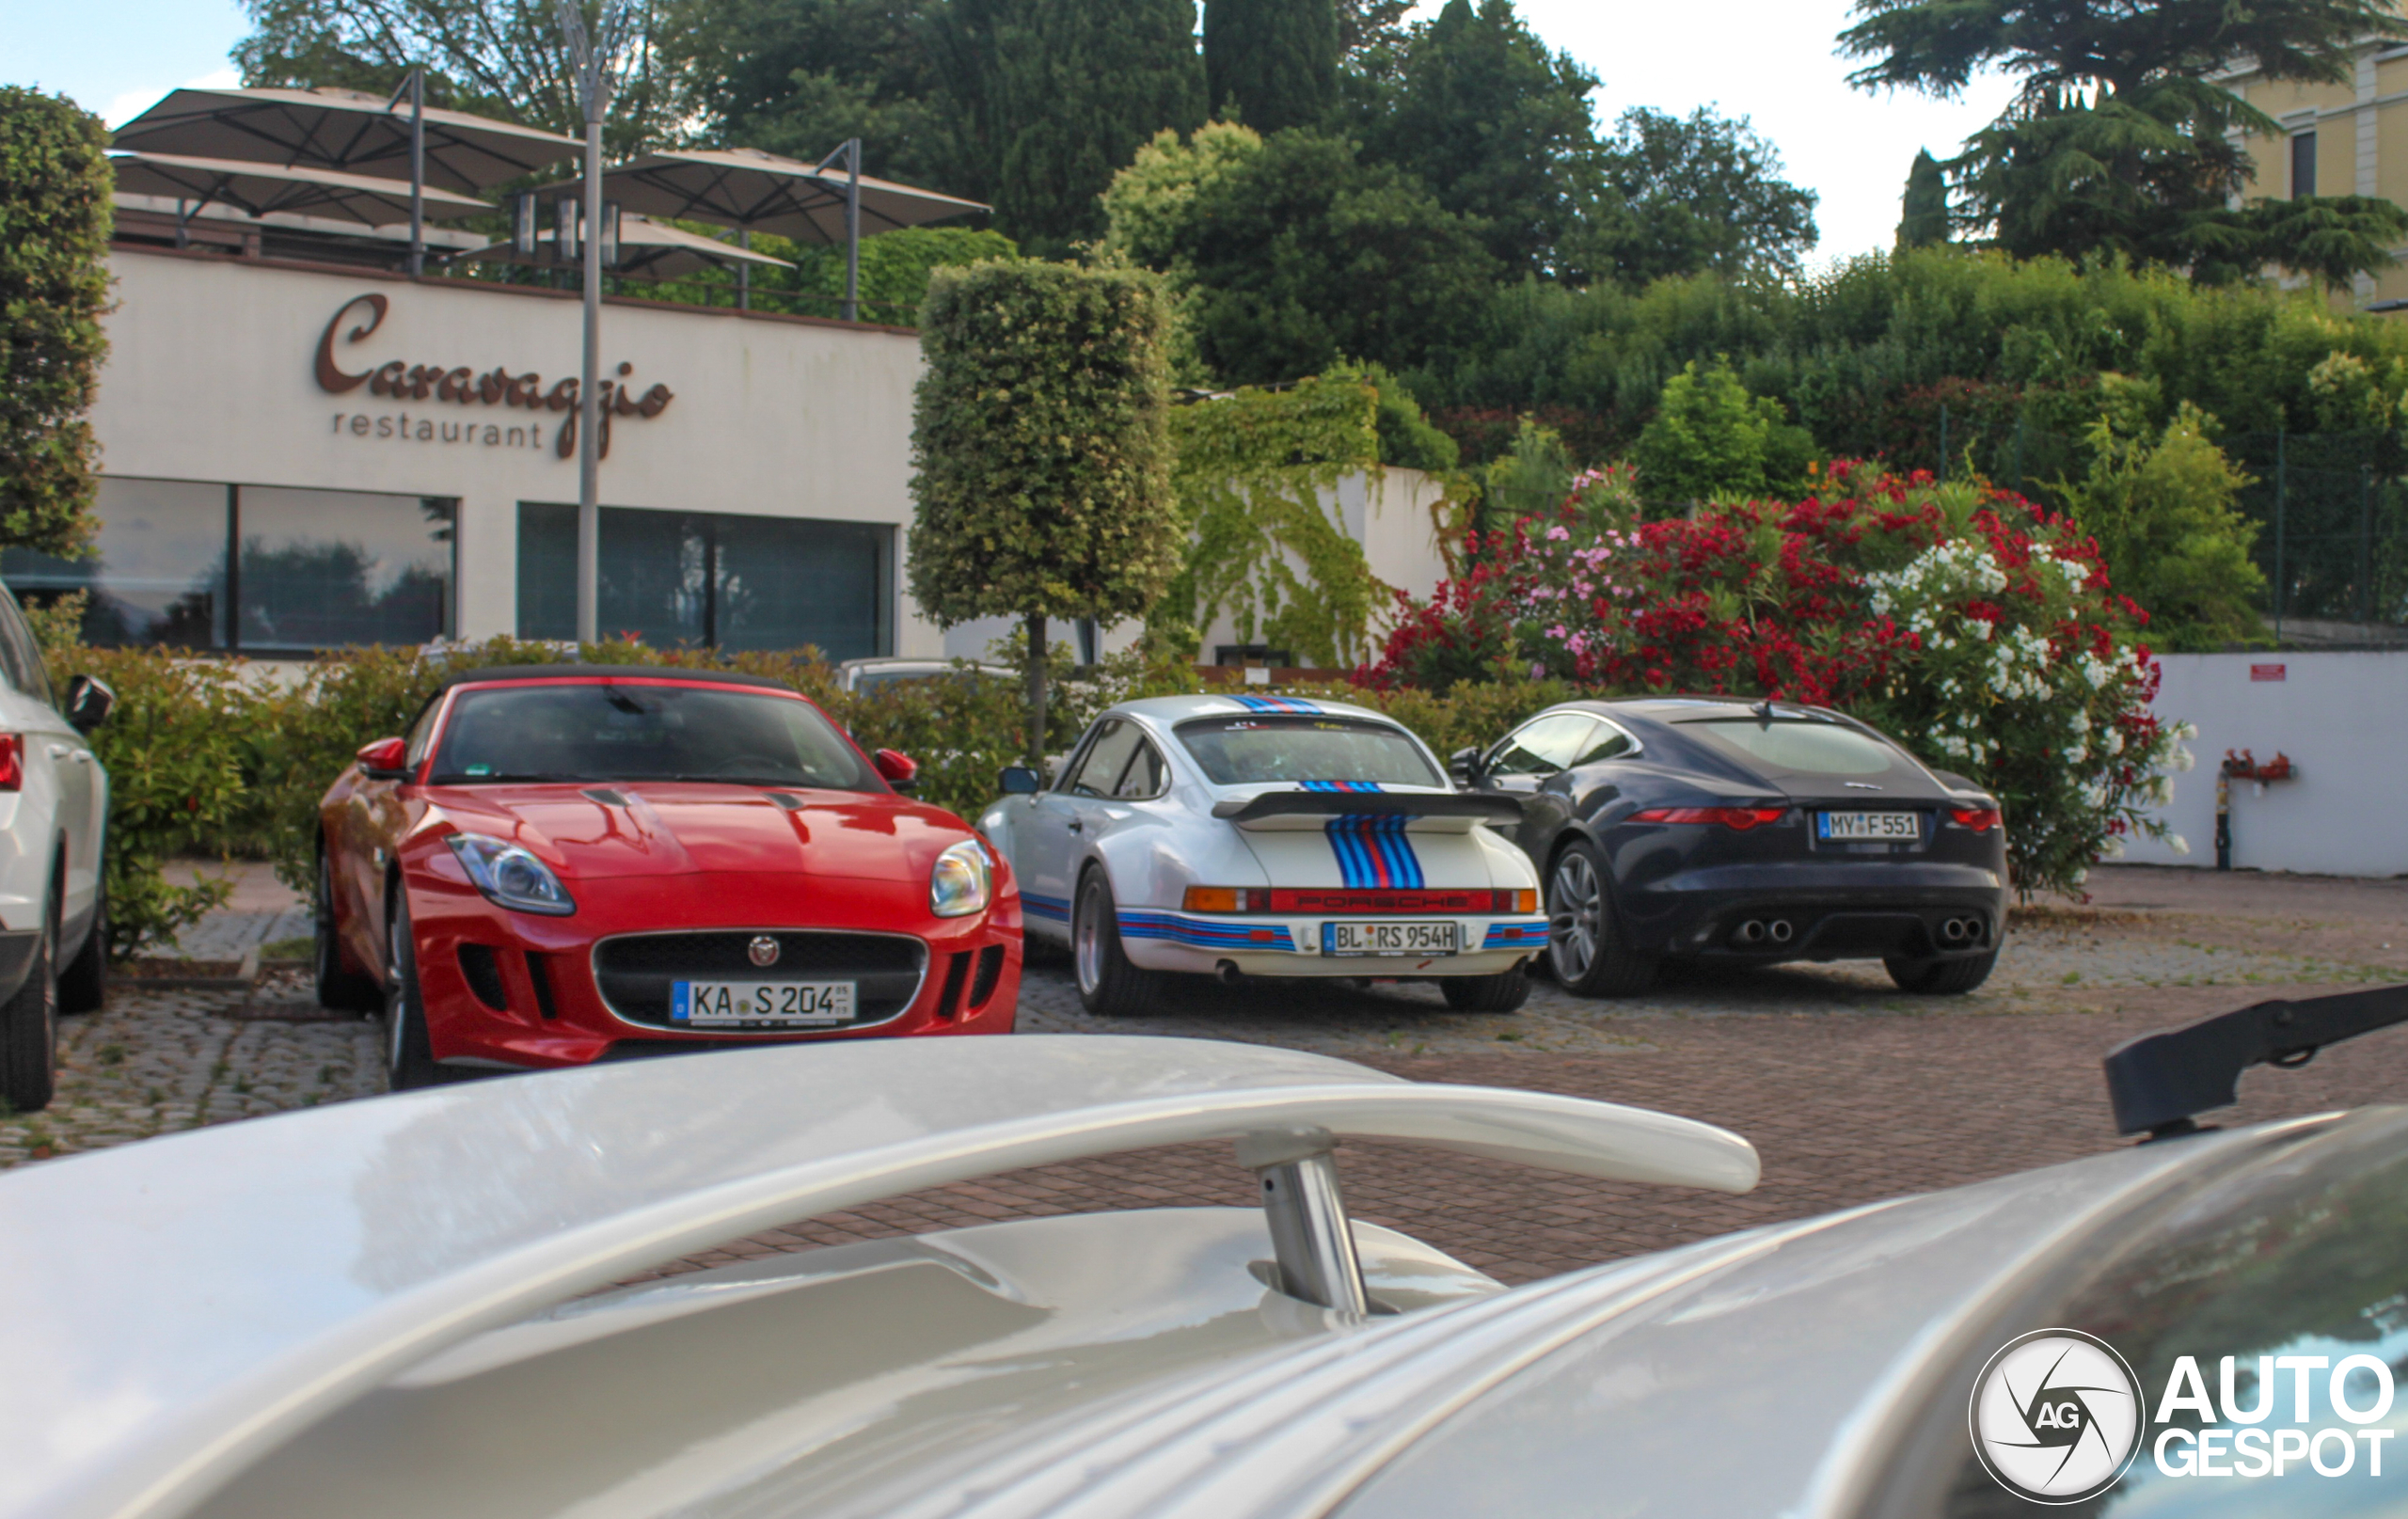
x,y
2026,675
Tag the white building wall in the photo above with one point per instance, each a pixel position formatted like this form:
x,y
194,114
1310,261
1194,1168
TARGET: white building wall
x,y
211,377
2343,720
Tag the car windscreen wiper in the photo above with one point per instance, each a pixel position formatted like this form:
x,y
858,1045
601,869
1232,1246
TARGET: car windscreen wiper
x,y
2161,1082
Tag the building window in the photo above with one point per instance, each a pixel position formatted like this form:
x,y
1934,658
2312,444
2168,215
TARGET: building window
x,y
311,569
2302,165
712,580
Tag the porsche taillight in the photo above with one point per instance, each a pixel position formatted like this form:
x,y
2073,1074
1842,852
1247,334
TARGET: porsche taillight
x,y
1219,898
12,761
1738,819
1980,819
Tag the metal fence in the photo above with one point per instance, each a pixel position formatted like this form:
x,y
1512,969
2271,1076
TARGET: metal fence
x,y
2332,510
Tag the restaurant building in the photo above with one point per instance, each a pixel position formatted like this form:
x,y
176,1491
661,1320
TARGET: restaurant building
x,y
301,455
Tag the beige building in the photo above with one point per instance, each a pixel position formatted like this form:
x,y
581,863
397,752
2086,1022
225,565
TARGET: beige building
x,y
2345,139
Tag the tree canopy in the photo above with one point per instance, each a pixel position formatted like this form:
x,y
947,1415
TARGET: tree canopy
x,y
2120,139
1271,63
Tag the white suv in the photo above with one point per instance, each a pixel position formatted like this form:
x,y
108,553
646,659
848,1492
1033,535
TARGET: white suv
x,y
53,817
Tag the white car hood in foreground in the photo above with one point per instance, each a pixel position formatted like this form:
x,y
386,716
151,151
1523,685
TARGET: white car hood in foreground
x,y
172,1311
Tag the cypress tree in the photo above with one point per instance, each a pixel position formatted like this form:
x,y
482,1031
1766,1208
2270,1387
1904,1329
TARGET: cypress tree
x,y
1924,209
53,285
1274,60
1054,97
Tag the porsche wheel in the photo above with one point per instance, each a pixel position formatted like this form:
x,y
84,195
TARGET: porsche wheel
x,y
1109,986
29,1028
1487,993
409,1060
1942,979
343,989
1585,947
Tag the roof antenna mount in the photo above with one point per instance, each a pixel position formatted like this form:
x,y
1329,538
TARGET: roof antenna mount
x,y
1762,710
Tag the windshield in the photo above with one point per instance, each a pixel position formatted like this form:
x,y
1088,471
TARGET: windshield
x,y
1238,750
1788,747
606,731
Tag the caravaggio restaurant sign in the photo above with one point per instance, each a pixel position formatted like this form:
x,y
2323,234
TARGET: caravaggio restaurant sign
x,y
460,395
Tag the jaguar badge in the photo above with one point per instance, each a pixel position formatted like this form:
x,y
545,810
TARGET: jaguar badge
x,y
763,950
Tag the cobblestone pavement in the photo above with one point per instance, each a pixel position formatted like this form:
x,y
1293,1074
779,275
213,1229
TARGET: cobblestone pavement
x,y
1851,1091
158,1062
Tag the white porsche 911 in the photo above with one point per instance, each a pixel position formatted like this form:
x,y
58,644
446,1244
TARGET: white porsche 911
x,y
1266,835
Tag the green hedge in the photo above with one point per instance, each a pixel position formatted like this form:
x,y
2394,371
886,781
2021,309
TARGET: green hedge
x,y
215,759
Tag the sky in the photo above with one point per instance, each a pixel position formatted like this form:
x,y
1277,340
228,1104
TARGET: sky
x,y
1769,60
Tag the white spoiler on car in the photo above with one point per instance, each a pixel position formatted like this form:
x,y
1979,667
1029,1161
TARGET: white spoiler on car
x,y
172,1310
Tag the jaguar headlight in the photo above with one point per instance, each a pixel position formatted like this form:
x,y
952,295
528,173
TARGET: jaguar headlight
x,y
963,880
510,877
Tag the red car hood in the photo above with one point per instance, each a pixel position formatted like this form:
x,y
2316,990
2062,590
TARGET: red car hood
x,y
678,828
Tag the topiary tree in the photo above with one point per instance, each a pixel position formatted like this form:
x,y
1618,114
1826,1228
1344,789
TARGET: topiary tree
x,y
1041,441
55,184
1710,438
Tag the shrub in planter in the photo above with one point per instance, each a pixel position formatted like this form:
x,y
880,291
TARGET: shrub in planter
x,y
1978,628
174,754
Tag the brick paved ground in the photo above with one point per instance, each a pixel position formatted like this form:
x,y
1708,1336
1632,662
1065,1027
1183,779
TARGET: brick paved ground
x,y
1850,1091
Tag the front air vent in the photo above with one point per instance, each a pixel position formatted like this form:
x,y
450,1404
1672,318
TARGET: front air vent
x,y
483,973
990,974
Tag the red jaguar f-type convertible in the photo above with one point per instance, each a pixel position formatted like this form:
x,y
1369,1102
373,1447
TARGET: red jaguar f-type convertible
x,y
564,864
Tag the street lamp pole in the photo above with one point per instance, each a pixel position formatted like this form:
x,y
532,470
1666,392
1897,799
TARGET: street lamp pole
x,y
590,58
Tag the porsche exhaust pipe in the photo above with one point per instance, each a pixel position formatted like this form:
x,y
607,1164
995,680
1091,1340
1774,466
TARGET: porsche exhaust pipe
x,y
1229,972
1961,931
1751,932
1781,931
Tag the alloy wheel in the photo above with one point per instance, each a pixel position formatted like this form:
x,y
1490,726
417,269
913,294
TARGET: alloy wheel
x,y
1088,947
397,1006
1576,914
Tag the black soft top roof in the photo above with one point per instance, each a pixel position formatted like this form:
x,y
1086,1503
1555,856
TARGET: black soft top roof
x,y
568,670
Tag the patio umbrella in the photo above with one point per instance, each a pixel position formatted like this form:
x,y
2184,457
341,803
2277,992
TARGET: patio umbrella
x,y
764,193
262,188
653,250
343,130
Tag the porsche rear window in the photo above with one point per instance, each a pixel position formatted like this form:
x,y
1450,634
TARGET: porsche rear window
x,y
611,732
1787,747
1239,751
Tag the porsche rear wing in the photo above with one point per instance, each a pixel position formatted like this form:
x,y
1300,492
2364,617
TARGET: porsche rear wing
x,y
1311,809
175,1309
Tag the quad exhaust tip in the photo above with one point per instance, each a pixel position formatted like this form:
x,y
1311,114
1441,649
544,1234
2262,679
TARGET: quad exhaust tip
x,y
1958,931
1760,930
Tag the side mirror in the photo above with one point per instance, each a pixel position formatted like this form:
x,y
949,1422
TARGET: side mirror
x,y
386,759
897,769
1464,766
90,702
1019,780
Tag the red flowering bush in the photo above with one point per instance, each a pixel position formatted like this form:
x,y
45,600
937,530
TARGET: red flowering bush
x,y
1977,628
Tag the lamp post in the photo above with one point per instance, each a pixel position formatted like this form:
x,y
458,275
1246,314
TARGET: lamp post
x,y
592,57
